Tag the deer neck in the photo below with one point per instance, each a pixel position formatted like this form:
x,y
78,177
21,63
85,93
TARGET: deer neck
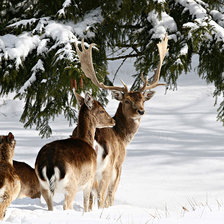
x,y
125,127
86,126
6,154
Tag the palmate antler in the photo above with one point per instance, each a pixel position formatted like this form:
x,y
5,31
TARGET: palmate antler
x,y
162,48
85,58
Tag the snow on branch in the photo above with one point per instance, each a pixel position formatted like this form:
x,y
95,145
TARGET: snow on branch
x,y
61,33
64,35
66,4
93,17
218,17
160,1
23,23
161,26
202,19
17,48
38,67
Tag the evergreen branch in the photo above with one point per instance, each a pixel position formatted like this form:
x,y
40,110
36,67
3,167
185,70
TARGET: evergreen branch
x,y
137,26
123,56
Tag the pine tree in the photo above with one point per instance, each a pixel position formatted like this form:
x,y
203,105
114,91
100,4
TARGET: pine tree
x,y
38,60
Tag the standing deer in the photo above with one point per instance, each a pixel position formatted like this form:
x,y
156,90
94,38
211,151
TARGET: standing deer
x,y
69,165
112,142
30,186
9,180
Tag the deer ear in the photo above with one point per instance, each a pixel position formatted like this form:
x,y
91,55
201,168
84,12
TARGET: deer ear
x,y
10,137
118,95
79,99
89,101
148,95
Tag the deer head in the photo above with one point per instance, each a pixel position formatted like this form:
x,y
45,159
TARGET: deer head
x,y
7,146
98,114
132,101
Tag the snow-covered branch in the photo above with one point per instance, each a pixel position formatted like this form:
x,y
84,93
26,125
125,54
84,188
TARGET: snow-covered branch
x,y
38,67
161,26
203,19
17,48
61,12
64,35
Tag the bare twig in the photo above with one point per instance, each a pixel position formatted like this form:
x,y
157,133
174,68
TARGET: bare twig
x,y
119,69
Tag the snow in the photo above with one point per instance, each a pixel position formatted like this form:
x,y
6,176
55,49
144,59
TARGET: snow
x,y
38,67
184,50
60,32
219,17
18,48
93,17
23,22
65,5
160,1
173,172
194,8
161,26
42,47
203,19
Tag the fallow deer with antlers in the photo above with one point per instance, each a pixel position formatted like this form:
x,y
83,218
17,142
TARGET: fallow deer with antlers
x,y
69,165
112,142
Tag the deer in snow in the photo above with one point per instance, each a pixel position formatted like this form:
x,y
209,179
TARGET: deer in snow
x,y
9,180
69,165
30,186
111,143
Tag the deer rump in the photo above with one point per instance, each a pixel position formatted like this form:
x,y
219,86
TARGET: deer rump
x,y
63,162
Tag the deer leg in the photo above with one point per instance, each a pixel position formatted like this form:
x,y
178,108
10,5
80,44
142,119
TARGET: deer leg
x,y
102,189
86,195
6,201
48,197
3,207
93,195
91,200
112,189
69,198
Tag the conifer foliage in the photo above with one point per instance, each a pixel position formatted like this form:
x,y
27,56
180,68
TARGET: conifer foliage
x,y
38,60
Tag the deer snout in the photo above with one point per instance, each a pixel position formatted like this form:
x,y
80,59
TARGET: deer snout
x,y
141,112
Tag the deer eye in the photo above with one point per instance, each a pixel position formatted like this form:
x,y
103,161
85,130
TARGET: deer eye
x,y
126,101
102,111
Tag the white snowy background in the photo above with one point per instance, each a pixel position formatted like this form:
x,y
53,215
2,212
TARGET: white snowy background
x,y
174,170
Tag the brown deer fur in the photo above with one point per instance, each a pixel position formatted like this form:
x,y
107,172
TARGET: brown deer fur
x,y
69,165
30,186
9,180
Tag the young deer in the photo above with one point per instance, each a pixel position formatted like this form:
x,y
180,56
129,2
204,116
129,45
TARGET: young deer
x,y
112,142
9,180
69,165
30,186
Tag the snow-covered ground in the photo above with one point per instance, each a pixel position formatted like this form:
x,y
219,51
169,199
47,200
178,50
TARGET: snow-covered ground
x,y
173,173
